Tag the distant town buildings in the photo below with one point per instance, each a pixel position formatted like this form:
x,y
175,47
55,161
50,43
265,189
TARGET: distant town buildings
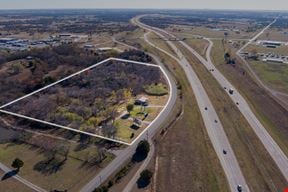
x,y
17,44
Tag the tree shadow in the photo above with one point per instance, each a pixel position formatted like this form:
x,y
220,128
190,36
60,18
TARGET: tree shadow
x,y
10,174
138,157
50,165
142,183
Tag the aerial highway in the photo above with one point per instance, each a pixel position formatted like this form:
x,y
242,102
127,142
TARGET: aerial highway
x,y
279,96
271,146
212,123
127,153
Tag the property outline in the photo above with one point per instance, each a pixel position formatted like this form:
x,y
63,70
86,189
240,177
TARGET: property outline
x,y
77,73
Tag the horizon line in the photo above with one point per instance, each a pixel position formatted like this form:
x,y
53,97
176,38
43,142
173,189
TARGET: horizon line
x,y
147,9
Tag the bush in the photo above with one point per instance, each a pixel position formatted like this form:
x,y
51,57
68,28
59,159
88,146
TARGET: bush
x,y
101,189
17,163
142,151
145,178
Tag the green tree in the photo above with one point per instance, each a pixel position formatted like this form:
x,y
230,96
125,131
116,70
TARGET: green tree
x,y
146,175
17,163
130,108
145,178
142,151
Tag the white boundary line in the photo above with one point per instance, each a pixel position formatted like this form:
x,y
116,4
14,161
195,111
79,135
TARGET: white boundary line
x,y
77,73
61,126
52,84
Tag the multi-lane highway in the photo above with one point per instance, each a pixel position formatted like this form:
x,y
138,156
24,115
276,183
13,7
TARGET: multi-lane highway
x,y
213,124
271,146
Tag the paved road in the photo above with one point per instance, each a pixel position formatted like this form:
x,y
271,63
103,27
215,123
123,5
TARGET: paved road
x,y
127,153
213,125
20,179
279,96
271,146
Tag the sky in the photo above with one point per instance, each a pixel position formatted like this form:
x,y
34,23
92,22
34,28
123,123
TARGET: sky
x,y
158,4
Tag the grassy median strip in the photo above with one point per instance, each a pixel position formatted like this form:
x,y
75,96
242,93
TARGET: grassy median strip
x,y
270,113
259,169
186,155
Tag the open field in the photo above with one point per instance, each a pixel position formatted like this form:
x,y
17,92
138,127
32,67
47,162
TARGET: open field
x,y
272,115
47,169
275,75
282,50
193,167
275,34
259,169
199,45
12,185
210,33
161,43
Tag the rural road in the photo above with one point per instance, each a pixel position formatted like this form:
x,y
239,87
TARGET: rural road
x,y
129,150
281,97
271,146
20,179
212,123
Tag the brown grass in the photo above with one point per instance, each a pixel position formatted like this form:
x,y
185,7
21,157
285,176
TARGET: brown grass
x,y
259,169
12,185
271,113
187,159
72,176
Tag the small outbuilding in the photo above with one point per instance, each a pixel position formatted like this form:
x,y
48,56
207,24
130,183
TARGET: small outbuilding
x,y
142,101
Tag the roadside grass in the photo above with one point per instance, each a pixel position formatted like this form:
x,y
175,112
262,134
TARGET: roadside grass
x,y
157,100
270,113
124,129
160,43
275,75
258,167
187,159
275,34
12,185
72,175
156,89
282,50
200,45
208,32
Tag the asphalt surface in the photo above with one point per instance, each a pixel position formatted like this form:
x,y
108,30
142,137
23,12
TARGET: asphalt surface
x,y
213,124
127,153
271,146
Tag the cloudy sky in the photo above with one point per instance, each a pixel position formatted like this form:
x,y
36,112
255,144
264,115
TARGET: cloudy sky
x,y
177,4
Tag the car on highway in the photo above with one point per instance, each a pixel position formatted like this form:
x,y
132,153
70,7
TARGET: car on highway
x,y
231,91
239,188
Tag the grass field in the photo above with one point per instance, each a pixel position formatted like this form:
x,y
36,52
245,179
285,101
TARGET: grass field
x,y
259,169
272,115
186,156
275,35
200,45
156,89
275,75
282,50
72,175
207,32
12,185
123,126
161,43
